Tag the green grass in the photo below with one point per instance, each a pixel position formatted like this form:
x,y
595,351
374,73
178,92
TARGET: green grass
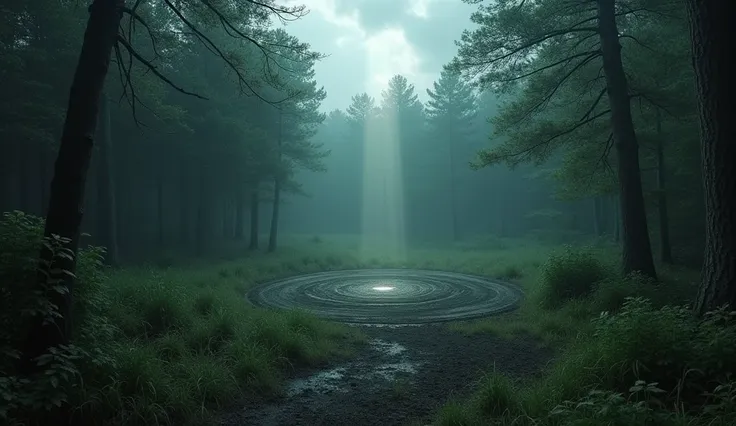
x,y
194,344
627,354
174,344
189,343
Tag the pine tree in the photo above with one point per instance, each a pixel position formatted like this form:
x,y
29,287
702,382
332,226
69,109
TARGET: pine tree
x,y
451,111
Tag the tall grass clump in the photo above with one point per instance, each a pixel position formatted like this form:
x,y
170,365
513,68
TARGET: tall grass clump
x,y
151,346
567,275
643,365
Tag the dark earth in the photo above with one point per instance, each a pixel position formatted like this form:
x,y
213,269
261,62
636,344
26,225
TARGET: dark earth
x,y
406,372
403,377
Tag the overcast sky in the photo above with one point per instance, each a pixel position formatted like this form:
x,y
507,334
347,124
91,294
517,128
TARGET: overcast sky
x,y
369,41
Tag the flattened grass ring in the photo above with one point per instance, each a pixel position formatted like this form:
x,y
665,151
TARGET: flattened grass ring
x,y
389,296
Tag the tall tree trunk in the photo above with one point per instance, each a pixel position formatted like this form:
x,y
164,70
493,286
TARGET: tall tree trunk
x,y
25,188
453,198
43,177
616,202
712,31
273,235
227,222
184,206
106,220
239,215
598,216
637,249
66,195
66,203
255,199
200,232
665,252
160,206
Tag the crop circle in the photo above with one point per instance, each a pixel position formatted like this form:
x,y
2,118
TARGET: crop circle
x,y
389,296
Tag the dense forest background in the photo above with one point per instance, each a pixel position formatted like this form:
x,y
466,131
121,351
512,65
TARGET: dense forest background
x,y
594,127
188,174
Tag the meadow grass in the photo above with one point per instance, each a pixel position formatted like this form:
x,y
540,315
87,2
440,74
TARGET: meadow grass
x,y
628,352
195,343
176,343
190,344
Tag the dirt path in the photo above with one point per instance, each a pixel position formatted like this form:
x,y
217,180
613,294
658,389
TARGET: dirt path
x,y
404,375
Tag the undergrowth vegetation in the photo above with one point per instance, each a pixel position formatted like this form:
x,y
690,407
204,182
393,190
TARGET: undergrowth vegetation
x,y
152,345
172,342
630,352
171,345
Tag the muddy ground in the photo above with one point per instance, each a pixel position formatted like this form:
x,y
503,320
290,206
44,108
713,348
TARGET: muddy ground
x,y
402,377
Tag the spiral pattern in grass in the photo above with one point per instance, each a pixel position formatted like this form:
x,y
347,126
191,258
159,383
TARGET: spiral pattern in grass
x,y
389,296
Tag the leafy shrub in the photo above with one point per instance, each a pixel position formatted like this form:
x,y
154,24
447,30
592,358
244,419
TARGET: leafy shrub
x,y
21,237
685,355
682,368
511,272
568,275
611,293
600,407
643,405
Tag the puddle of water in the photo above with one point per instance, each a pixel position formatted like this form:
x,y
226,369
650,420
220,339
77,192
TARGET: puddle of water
x,y
336,379
390,371
387,348
322,382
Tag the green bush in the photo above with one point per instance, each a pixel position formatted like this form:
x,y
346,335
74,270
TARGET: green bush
x,y
611,293
183,342
567,275
643,365
21,298
684,355
682,368
600,407
20,242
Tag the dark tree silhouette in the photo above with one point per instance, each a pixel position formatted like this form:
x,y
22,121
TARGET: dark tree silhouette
x,y
712,32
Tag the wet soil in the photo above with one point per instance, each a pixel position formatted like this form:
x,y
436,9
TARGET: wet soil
x,y
403,376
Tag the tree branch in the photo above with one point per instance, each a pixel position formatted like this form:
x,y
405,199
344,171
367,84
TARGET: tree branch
x,y
135,17
565,61
489,158
595,104
603,159
546,98
152,68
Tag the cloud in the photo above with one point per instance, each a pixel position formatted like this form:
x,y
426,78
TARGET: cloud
x,y
370,41
389,53
331,12
419,8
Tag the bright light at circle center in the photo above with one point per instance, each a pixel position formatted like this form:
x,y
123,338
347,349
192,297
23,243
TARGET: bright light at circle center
x,y
383,288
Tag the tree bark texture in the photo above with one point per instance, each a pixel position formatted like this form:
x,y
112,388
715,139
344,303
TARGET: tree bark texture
x,y
637,250
255,199
712,33
66,195
665,249
106,213
273,235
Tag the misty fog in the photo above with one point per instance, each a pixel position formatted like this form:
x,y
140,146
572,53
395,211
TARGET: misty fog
x,y
367,212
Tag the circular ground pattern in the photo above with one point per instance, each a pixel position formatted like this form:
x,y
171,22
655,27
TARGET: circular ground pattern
x,y
389,296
